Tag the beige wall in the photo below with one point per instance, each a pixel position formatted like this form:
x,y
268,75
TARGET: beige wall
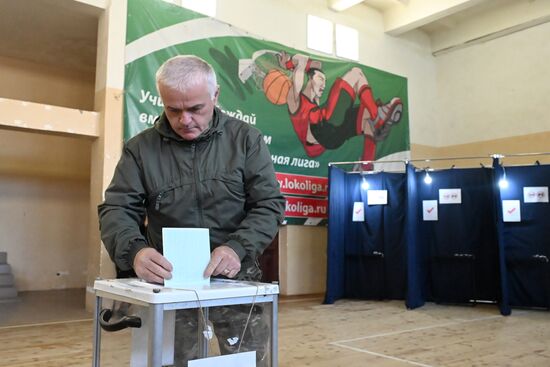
x,y
532,143
28,81
497,89
44,189
492,98
302,260
44,178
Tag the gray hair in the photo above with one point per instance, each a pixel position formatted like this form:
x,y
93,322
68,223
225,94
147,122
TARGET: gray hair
x,y
183,71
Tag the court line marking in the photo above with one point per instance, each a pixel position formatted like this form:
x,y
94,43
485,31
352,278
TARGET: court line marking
x,y
44,324
380,355
340,343
419,329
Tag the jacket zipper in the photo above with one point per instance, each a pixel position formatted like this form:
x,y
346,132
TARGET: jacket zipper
x,y
160,195
194,157
157,202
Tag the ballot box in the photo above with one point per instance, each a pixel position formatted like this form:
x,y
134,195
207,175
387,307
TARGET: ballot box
x,y
135,323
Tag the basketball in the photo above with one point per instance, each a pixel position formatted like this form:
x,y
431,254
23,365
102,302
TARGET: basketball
x,y
276,86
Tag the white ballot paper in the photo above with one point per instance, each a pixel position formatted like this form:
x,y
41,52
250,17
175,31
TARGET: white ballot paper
x,y
429,210
245,359
511,211
358,212
188,250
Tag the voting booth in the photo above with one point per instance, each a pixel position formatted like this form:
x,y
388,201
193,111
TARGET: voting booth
x,y
451,235
148,334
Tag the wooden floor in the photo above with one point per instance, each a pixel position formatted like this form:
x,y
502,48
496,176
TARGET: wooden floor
x,y
349,333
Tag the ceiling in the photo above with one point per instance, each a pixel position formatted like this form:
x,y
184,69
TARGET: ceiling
x,y
42,30
453,24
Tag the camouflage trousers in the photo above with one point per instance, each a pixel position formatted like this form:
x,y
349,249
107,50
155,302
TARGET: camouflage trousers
x,y
229,324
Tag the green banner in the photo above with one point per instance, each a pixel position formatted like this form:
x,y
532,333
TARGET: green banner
x,y
255,83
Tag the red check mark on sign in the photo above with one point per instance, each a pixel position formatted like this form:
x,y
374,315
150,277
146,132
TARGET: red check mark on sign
x,y
358,211
511,210
430,210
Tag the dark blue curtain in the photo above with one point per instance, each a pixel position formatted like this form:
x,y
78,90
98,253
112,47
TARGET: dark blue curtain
x,y
527,243
366,259
375,249
336,234
417,255
463,242
456,258
505,297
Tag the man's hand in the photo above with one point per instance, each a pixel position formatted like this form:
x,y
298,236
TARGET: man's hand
x,y
151,266
283,58
316,64
224,261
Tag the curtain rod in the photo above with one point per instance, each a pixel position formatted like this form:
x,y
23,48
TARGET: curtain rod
x,y
430,169
405,161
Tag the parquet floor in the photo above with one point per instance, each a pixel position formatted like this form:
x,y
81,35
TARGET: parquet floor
x,y
350,333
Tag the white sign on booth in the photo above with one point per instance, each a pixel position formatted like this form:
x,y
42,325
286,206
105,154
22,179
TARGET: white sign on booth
x,y
511,211
535,194
450,196
358,212
377,197
429,210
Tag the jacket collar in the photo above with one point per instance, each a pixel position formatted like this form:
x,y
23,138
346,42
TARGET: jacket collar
x,y
162,126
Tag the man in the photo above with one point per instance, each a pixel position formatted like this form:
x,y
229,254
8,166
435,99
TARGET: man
x,y
197,167
328,126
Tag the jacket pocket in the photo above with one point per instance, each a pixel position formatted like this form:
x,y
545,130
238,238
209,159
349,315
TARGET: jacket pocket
x,y
223,201
227,185
156,199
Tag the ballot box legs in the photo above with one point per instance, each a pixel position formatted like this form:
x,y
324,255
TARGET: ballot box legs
x,y
97,333
275,332
154,349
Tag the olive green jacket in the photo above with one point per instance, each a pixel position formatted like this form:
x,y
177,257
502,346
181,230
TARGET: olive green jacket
x,y
224,180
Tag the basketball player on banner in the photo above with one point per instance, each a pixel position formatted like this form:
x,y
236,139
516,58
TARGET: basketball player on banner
x,y
299,82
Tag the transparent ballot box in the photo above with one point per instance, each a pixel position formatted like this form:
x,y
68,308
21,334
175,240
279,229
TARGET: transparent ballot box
x,y
226,322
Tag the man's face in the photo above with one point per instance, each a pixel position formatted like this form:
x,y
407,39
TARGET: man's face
x,y
318,82
189,112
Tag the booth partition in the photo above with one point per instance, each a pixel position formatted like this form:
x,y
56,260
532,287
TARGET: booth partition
x,y
453,236
366,254
524,232
456,240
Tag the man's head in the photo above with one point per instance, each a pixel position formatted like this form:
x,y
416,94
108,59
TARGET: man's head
x,y
317,80
188,88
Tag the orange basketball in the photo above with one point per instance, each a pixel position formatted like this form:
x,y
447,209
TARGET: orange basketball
x,y
276,86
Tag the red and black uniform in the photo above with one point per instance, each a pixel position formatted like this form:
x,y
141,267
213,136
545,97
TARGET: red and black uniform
x,y
332,123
